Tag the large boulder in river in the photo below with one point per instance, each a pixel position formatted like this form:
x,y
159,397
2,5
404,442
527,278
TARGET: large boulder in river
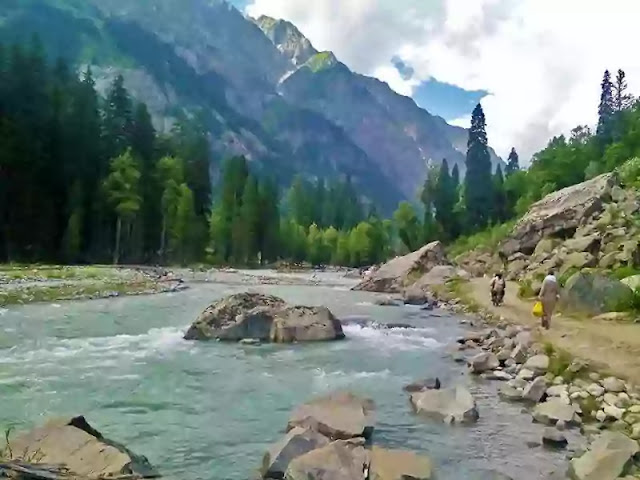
x,y
401,272
81,449
559,214
266,318
451,404
609,456
295,444
398,465
339,415
594,293
340,460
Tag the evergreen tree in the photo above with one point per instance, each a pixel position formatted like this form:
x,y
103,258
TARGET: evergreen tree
x,y
606,108
478,194
455,176
170,175
118,119
408,226
122,188
513,163
269,238
445,200
621,99
315,246
251,222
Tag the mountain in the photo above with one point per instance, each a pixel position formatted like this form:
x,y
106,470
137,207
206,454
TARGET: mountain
x,y
259,87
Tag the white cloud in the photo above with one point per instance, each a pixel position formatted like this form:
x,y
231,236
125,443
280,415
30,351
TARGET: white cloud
x,y
541,60
464,122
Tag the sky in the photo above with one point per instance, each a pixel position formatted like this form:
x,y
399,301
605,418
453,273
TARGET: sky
x,y
535,65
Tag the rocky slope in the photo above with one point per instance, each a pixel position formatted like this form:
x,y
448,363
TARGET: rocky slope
x,y
261,89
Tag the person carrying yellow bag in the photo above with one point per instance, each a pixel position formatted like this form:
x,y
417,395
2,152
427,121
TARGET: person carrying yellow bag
x,y
538,310
547,299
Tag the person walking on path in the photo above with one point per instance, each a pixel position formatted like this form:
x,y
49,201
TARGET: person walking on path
x,y
549,293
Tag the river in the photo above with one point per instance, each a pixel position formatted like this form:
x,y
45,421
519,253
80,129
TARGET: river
x,y
209,410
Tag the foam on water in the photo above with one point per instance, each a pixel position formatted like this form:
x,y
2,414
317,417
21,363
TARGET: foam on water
x,y
323,380
393,338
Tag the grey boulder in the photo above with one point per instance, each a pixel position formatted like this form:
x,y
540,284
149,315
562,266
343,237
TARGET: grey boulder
x,y
451,404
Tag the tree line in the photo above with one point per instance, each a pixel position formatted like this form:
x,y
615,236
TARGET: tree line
x,y
88,179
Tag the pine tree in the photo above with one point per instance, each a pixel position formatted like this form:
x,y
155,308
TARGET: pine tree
x,y
445,200
270,221
513,163
621,99
251,221
122,188
170,175
478,183
606,108
118,119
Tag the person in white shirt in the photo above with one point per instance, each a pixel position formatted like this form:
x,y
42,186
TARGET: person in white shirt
x,y
549,293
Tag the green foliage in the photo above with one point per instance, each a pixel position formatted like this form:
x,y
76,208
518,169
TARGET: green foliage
x,y
629,172
624,272
526,290
566,275
478,200
487,239
408,226
630,303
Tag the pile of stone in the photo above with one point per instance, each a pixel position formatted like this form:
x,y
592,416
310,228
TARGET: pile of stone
x,y
560,399
70,448
330,438
252,318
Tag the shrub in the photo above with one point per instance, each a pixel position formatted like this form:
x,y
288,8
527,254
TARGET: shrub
x,y
624,272
489,239
526,290
629,172
564,278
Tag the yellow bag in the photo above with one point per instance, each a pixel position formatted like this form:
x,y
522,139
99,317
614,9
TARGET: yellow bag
x,y
538,310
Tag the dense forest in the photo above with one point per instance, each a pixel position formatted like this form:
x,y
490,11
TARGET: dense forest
x,y
86,178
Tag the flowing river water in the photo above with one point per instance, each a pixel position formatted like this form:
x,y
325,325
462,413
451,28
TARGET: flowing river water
x,y
209,410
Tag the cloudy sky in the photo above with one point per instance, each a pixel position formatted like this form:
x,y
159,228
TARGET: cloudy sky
x,y
539,62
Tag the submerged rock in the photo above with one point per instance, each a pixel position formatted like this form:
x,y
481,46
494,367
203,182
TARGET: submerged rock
x,y
340,460
607,458
81,449
264,318
398,465
340,415
451,404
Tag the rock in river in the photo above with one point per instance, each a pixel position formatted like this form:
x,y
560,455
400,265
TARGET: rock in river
x,y
553,410
81,449
607,458
340,415
420,385
264,318
340,460
452,404
398,465
483,361
295,444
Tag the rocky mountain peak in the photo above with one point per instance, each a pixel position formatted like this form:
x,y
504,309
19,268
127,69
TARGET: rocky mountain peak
x,y
287,38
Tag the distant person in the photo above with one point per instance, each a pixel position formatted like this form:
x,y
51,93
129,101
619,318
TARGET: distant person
x,y
498,287
549,293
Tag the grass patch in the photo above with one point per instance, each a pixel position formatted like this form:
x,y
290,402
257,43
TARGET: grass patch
x,y
564,278
50,293
630,303
589,406
56,272
621,273
489,239
526,290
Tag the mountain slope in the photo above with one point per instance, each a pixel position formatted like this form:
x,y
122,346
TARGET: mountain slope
x,y
260,89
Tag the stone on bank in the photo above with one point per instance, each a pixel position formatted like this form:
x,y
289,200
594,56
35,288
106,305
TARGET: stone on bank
x,y
608,457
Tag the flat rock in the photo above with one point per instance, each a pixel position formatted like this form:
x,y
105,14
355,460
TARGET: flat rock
x,y
295,444
557,390
339,415
509,393
399,465
553,410
81,449
455,404
606,459
595,390
339,460
499,375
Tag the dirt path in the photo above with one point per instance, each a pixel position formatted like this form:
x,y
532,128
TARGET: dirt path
x,y
607,345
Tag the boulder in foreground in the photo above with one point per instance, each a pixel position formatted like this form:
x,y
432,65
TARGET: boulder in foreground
x,y
296,443
395,275
399,465
340,460
607,459
451,404
338,416
265,318
81,449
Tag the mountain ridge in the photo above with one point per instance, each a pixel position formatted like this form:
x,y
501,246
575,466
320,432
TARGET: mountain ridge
x,y
258,85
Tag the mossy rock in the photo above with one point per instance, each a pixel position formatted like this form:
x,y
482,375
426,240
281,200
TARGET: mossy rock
x,y
594,293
